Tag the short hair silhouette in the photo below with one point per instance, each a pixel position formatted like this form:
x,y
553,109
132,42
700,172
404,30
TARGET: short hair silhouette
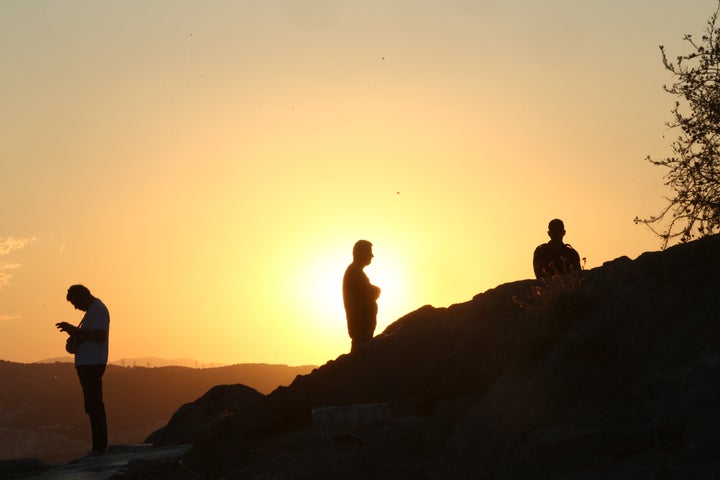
x,y
360,247
77,291
556,224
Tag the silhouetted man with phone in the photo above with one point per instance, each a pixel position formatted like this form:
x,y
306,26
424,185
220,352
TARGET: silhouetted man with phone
x,y
91,355
360,297
555,257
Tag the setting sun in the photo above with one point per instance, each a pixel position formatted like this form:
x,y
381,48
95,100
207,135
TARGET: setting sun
x,y
316,284
206,167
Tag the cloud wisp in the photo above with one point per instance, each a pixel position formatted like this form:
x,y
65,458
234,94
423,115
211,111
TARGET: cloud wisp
x,y
11,244
7,246
6,272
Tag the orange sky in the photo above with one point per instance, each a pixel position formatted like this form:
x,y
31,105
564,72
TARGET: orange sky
x,y
205,167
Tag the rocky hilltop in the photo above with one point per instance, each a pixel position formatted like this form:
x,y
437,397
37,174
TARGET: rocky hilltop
x,y
613,372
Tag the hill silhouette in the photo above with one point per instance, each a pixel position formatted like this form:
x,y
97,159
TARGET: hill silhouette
x,y
150,362
610,373
41,414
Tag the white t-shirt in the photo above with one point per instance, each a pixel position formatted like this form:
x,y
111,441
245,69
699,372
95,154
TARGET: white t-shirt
x,y
91,352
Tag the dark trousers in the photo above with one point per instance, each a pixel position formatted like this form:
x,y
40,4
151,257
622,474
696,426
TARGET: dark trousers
x,y
361,341
91,382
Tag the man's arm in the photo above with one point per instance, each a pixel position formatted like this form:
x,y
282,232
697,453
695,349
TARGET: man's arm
x,y
575,260
94,335
538,262
83,334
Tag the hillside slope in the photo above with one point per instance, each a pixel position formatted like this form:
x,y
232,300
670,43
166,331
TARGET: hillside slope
x,y
611,373
41,411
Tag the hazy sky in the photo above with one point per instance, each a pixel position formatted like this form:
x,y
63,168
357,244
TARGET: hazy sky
x,y
205,167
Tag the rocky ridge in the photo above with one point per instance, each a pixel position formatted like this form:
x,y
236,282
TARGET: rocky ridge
x,y
612,372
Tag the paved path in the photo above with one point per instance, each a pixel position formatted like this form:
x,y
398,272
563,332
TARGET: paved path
x,y
102,467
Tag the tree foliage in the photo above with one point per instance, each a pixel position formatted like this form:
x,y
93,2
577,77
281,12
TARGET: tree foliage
x,y
694,166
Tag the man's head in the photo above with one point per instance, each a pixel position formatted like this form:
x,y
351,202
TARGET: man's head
x,y
80,297
362,252
556,230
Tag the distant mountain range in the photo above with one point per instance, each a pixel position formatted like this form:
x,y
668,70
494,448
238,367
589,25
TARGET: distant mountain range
x,y
149,362
41,410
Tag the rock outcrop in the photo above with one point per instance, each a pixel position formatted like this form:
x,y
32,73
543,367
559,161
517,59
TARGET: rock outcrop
x,y
613,372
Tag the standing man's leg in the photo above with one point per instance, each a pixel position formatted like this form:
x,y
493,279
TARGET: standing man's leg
x,y
91,381
360,342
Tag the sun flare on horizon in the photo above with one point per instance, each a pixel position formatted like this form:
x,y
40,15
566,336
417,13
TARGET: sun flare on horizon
x,y
205,168
319,286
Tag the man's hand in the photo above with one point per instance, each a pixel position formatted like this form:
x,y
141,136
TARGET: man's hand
x,y
66,327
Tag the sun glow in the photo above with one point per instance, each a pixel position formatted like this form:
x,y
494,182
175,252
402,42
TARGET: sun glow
x,y
390,276
320,291
229,182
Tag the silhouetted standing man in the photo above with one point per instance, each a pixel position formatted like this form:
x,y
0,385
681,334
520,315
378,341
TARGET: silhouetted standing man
x,y
555,257
91,358
360,297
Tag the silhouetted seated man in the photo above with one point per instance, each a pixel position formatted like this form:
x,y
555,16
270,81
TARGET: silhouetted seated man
x,y
360,297
555,257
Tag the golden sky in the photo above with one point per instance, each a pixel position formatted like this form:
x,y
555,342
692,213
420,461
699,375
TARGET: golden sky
x,y
204,167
